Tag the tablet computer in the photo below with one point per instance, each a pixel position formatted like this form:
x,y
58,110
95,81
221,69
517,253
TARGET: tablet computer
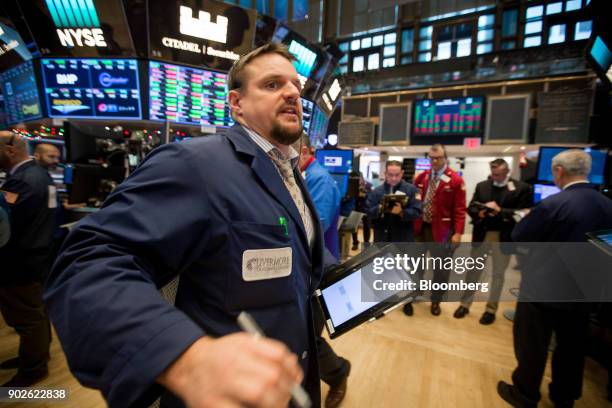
x,y
602,239
350,295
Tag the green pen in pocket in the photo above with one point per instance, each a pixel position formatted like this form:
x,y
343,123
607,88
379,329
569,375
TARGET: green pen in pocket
x,y
283,223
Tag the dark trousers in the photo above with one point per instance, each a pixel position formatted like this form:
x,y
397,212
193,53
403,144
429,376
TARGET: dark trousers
x,y
438,250
332,368
23,309
534,324
366,231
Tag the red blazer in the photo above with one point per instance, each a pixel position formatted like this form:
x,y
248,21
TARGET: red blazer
x,y
448,209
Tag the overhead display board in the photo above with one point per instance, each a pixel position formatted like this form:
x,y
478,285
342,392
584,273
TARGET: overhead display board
x,y
20,91
92,88
198,32
78,28
508,118
448,116
563,116
187,95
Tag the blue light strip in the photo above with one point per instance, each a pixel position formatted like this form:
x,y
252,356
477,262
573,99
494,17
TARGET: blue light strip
x,y
53,13
84,13
92,13
61,13
68,11
77,14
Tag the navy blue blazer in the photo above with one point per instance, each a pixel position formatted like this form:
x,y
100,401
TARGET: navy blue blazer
x,y
560,273
192,208
566,216
27,255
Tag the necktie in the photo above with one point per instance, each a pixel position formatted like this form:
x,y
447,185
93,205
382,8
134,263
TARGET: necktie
x,y
286,171
428,202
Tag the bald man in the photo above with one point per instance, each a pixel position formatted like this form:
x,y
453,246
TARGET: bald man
x,y
31,197
47,155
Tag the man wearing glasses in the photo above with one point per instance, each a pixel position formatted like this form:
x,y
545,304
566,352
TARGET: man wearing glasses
x,y
442,191
31,197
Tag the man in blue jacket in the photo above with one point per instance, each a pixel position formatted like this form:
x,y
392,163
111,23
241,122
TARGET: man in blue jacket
x,y
324,192
393,224
564,217
229,213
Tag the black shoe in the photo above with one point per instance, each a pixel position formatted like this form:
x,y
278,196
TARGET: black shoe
x,y
461,312
408,309
509,393
355,247
435,308
26,380
487,318
10,364
336,394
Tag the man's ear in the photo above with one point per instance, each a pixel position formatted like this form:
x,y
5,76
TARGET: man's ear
x,y
235,99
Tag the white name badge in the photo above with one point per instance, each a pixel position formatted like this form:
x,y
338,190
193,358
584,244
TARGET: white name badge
x,y
262,264
52,197
444,178
511,186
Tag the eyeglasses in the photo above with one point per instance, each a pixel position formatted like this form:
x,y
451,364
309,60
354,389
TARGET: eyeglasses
x,y
436,158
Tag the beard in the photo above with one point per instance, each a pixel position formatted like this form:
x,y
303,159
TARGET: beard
x,y
285,136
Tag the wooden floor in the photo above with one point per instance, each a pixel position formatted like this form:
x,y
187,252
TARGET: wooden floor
x,y
398,361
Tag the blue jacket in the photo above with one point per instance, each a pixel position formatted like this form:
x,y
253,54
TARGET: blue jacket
x,y
393,228
27,255
193,209
326,199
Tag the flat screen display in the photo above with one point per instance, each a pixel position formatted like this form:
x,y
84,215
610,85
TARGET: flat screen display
x,y
188,95
422,164
456,116
307,111
21,99
306,58
318,128
542,191
601,55
336,160
92,88
598,166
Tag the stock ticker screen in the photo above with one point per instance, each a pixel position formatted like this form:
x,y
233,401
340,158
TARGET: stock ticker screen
x,y
457,116
188,95
92,88
21,99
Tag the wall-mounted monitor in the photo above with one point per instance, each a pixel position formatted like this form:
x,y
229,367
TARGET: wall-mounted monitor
x,y
306,58
91,88
507,119
336,160
599,55
188,95
20,90
394,125
597,175
453,116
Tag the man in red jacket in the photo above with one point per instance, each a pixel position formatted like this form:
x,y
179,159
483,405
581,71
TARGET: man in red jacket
x,y
442,193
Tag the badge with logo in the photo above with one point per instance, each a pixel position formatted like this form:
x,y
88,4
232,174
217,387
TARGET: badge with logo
x,y
444,178
262,264
511,186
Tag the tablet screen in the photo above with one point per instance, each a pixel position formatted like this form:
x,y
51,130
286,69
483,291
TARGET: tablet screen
x,y
343,299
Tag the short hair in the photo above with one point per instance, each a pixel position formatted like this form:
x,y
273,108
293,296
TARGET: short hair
x,y
575,162
393,163
438,146
236,78
498,163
